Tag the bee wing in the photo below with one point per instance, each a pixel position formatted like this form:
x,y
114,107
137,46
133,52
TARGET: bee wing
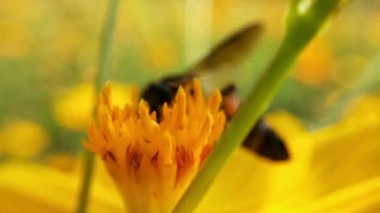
x,y
231,52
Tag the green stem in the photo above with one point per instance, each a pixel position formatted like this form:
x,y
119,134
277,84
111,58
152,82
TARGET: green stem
x,y
106,44
86,181
103,65
300,30
247,115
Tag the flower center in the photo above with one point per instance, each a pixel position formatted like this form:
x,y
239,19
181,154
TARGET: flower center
x,y
153,162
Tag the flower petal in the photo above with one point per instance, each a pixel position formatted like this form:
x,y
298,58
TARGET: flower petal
x,y
348,152
35,188
250,183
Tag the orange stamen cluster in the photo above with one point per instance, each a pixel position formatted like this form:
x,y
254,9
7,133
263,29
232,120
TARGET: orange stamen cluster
x,y
153,162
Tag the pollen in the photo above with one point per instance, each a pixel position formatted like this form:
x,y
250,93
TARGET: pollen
x,y
153,162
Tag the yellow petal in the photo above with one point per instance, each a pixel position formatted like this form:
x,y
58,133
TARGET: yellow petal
x,y
285,124
35,188
241,185
249,183
360,197
347,153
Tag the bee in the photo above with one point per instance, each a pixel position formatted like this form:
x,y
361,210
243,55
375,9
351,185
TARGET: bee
x,y
262,139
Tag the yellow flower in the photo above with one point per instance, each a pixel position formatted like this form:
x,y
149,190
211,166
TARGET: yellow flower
x,y
316,65
249,183
153,162
17,31
35,188
21,138
74,108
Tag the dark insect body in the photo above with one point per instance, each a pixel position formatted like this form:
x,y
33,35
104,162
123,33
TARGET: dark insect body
x,y
262,139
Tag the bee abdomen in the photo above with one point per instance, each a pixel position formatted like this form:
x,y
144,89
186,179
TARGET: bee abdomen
x,y
266,142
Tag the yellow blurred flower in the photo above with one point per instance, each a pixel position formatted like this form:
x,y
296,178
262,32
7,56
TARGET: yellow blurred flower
x,y
259,185
15,43
16,31
367,105
21,138
73,109
35,188
316,64
347,155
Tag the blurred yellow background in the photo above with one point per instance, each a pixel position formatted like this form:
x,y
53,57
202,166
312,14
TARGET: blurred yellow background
x,y
49,55
49,50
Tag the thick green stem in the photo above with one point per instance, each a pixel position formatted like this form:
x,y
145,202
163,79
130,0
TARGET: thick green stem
x,y
301,28
247,115
103,65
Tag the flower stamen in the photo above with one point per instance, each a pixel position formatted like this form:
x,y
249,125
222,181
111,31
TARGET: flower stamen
x,y
153,162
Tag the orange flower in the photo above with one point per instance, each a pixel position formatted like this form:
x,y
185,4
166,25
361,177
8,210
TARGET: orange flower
x,y
153,162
